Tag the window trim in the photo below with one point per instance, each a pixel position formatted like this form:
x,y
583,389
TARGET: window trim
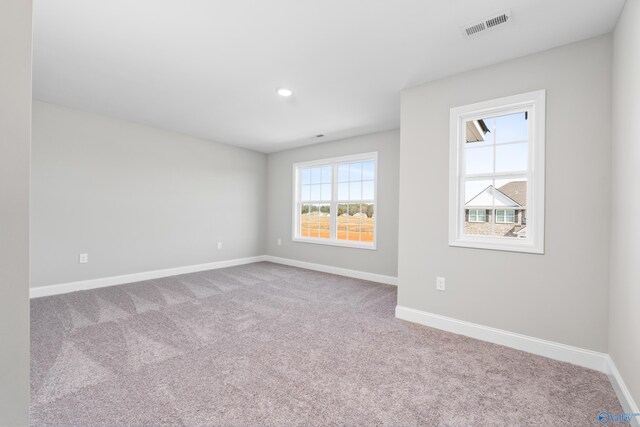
x,y
534,103
332,240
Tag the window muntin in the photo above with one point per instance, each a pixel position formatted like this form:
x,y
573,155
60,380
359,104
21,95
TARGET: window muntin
x,y
497,166
335,201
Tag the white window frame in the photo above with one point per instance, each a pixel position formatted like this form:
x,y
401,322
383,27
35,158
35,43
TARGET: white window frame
x,y
534,104
333,240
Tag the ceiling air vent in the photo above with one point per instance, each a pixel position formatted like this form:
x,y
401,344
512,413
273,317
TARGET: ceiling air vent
x,y
487,24
475,29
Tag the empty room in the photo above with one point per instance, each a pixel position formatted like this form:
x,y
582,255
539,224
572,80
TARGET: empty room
x,y
319,213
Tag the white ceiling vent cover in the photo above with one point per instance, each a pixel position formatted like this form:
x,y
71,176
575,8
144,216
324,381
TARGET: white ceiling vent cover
x,y
487,24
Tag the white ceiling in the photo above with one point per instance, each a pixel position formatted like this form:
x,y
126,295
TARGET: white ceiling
x,y
210,68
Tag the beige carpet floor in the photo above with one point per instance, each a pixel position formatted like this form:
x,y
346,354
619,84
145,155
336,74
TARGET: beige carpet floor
x,y
270,345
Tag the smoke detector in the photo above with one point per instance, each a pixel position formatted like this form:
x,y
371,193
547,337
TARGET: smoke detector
x,y
486,24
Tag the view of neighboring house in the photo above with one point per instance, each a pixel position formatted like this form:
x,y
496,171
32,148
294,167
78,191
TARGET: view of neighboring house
x,y
476,130
498,211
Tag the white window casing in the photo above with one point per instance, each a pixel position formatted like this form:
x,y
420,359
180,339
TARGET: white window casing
x,y
335,201
533,103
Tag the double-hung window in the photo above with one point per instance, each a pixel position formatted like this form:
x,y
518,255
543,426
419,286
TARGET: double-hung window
x,y
335,201
496,180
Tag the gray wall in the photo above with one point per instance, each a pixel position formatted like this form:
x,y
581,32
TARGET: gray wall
x,y
562,295
624,318
15,130
384,260
137,198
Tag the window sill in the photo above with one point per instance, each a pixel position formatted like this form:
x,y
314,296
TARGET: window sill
x,y
498,244
327,242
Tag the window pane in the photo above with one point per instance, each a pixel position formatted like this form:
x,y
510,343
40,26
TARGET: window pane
x,y
304,221
512,127
305,175
355,190
492,207
475,195
315,192
363,211
368,223
343,219
353,231
324,221
355,171
511,157
359,224
355,222
479,197
511,194
343,172
316,175
367,190
479,160
515,189
326,192
368,170
312,220
478,132
306,193
343,191
483,136
327,171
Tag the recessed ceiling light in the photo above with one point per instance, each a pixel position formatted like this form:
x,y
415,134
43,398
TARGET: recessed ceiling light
x,y
284,92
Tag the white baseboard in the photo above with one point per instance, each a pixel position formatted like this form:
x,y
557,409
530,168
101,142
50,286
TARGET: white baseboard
x,y
363,275
553,350
62,288
578,356
623,393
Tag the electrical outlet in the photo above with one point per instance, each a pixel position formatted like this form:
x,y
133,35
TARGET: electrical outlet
x,y
83,258
440,284
279,242
219,245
